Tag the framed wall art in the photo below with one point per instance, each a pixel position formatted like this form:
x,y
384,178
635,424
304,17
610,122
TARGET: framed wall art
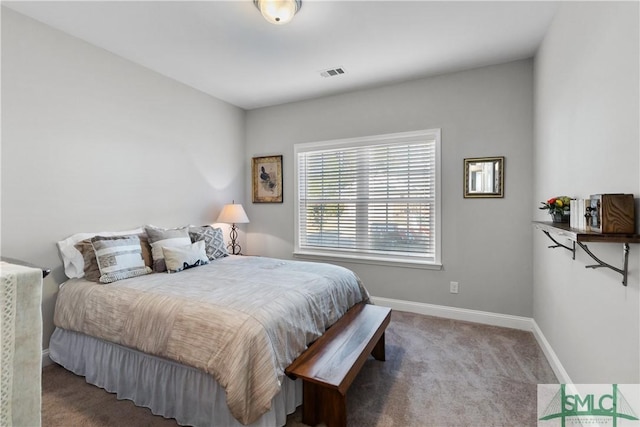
x,y
484,177
267,179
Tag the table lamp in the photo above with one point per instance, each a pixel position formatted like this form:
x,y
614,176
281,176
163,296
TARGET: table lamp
x,y
233,214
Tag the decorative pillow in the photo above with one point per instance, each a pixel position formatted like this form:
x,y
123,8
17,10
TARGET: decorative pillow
x,y
119,257
146,250
72,258
213,240
178,258
91,269
160,237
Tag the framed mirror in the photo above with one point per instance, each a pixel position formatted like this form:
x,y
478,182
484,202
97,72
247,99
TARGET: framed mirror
x,y
484,177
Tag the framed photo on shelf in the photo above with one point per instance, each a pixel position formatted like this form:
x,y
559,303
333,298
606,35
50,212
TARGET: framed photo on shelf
x,y
267,179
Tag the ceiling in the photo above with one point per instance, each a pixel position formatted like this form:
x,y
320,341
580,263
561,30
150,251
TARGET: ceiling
x,y
226,48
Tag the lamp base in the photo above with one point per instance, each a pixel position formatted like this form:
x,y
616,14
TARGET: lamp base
x,y
234,247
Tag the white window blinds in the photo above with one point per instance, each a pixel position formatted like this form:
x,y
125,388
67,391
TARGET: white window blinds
x,y
371,196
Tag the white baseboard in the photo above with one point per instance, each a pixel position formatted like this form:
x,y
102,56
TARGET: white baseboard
x,y
552,358
46,361
483,317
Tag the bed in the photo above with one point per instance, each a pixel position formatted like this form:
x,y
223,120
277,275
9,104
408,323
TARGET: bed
x,y
208,345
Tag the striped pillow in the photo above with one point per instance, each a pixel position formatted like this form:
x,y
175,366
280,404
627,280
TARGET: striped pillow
x,y
91,269
119,257
159,238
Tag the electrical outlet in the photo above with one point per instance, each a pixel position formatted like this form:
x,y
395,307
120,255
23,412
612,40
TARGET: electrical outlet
x,y
453,287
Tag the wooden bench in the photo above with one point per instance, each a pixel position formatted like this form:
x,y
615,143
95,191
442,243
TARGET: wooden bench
x,y
329,366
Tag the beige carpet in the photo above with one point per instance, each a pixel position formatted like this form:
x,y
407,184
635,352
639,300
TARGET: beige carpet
x,y
438,373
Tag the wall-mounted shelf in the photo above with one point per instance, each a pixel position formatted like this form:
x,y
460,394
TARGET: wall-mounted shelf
x,y
580,237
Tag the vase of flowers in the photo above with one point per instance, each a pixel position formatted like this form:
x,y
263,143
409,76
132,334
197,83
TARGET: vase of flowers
x,y
558,208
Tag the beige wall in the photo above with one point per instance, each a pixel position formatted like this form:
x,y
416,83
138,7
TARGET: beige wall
x,y
485,243
587,142
92,142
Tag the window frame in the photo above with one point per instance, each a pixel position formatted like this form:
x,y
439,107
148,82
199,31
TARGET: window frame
x,y
368,258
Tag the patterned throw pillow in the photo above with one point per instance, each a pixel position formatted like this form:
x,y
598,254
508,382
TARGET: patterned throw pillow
x,y
178,258
119,257
213,240
72,257
159,238
91,269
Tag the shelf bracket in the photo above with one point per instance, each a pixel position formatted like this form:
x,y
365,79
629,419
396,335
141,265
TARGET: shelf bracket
x,y
581,237
600,264
560,245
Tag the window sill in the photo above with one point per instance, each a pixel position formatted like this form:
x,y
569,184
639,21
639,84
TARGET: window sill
x,y
371,260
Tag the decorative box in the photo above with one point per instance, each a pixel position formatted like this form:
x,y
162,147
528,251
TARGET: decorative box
x,y
613,213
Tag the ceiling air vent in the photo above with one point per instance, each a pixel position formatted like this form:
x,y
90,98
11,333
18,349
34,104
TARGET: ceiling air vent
x,y
332,72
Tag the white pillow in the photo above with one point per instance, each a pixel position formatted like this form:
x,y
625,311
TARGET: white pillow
x,y
178,258
72,258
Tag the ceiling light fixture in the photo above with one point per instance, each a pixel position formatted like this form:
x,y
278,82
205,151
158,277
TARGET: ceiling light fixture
x,y
278,11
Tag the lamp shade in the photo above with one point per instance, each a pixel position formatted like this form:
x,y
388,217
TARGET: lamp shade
x,y
233,214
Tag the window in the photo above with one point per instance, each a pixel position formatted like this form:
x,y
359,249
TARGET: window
x,y
374,199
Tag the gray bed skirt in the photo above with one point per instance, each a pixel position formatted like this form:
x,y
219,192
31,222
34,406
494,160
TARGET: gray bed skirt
x,y
168,388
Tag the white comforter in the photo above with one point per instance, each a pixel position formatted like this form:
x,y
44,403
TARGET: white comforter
x,y
241,319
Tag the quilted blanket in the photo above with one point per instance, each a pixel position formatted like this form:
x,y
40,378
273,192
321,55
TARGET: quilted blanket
x,y
241,319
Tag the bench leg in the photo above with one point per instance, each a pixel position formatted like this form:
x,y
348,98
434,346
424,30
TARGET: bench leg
x,y
310,404
378,350
334,408
321,404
